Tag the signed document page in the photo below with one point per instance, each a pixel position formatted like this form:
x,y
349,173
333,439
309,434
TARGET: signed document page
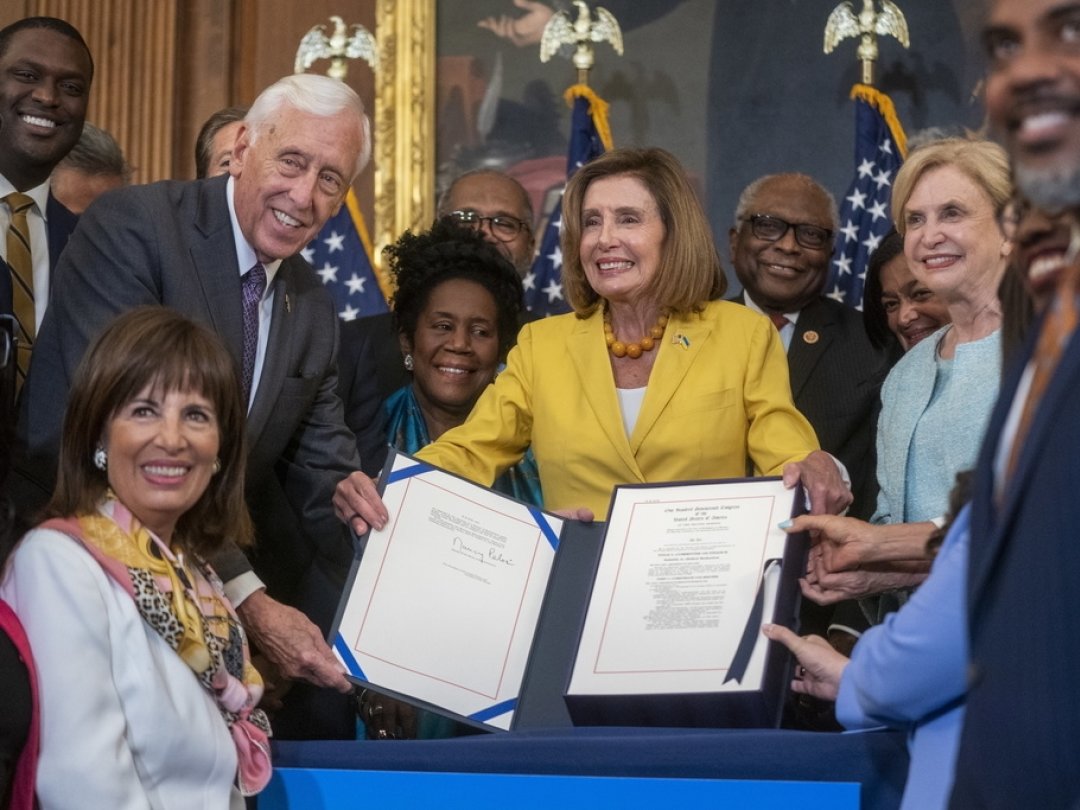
x,y
444,604
685,570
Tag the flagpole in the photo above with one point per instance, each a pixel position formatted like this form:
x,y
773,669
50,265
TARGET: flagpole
x,y
590,135
880,148
346,276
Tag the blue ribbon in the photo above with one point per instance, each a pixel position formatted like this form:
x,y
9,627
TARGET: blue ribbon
x,y
484,715
408,472
347,656
545,527
752,630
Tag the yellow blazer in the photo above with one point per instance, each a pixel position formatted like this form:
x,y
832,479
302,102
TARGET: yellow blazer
x,y
718,396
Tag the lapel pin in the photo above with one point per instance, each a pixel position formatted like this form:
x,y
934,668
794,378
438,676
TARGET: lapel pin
x,y
681,339
288,303
811,337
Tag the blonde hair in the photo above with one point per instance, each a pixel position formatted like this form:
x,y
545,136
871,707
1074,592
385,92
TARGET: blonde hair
x,y
689,274
983,161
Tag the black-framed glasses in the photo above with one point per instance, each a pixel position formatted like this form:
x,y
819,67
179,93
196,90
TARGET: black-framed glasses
x,y
503,227
772,229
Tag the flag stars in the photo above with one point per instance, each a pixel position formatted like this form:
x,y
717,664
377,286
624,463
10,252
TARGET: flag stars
x,y
529,281
349,313
309,254
877,210
355,284
886,146
553,291
882,179
328,273
843,265
334,242
556,259
836,294
850,231
871,242
866,168
857,200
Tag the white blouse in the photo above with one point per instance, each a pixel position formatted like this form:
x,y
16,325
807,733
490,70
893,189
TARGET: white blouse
x,y
124,722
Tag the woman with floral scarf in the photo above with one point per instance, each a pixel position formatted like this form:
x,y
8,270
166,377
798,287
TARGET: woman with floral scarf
x,y
146,688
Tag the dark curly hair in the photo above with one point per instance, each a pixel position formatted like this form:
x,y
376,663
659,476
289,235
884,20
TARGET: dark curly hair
x,y
875,320
418,263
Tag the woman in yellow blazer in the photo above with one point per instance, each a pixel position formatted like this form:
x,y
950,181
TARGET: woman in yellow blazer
x,y
650,378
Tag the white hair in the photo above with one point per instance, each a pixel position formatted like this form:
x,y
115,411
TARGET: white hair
x,y
316,95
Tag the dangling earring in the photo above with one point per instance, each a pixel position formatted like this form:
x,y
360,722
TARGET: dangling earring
x,y
101,458
408,362
217,466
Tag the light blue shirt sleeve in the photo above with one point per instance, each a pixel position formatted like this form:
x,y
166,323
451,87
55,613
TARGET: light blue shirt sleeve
x,y
914,665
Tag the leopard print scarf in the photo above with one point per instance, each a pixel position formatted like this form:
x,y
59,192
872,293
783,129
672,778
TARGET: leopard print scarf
x,y
185,604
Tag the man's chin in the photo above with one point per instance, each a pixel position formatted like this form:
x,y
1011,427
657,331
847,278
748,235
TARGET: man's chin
x,y
1051,188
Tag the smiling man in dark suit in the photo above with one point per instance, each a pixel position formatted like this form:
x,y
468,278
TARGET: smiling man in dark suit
x,y
1021,728
780,247
203,248
45,75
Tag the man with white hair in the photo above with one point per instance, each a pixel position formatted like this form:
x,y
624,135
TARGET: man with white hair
x,y
225,252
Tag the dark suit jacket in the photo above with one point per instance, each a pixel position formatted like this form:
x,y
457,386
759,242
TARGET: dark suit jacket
x,y
836,377
1022,729
171,243
371,369
60,222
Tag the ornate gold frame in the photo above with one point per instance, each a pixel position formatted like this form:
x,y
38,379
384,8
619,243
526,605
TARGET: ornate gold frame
x,y
404,119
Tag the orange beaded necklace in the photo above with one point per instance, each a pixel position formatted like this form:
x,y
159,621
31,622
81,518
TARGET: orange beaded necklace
x,y
633,350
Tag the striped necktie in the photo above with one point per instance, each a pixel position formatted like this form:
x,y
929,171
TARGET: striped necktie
x,y
22,275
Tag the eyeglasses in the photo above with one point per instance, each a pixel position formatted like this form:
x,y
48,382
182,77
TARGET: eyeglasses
x,y
502,227
772,229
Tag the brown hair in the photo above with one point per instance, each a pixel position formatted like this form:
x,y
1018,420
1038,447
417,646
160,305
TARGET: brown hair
x,y
689,274
156,346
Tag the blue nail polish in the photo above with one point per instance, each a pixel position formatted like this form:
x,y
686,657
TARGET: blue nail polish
x,y
784,524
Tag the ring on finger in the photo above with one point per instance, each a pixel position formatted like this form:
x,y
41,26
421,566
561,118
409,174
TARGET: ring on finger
x,y
382,734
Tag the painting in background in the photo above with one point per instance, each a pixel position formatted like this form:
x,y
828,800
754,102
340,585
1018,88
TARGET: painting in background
x,y
735,89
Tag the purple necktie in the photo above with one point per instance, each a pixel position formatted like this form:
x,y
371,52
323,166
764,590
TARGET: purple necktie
x,y
253,283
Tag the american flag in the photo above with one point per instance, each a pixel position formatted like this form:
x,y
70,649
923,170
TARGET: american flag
x,y
341,256
589,137
880,147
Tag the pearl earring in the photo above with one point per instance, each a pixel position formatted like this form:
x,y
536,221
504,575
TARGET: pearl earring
x,y
101,458
217,466
408,362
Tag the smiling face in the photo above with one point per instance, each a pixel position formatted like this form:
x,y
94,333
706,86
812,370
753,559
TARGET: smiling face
x,y
455,350
1040,245
913,312
44,88
292,178
951,239
783,276
161,450
1033,94
622,237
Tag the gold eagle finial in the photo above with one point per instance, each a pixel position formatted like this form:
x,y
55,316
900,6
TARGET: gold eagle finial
x,y
337,47
560,30
868,26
